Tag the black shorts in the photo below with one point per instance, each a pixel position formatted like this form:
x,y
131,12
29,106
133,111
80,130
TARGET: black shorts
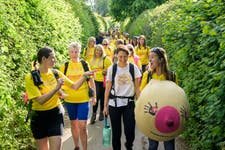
x,y
47,123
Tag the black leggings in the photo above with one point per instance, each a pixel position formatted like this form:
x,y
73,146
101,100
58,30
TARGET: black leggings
x,y
116,114
168,145
100,90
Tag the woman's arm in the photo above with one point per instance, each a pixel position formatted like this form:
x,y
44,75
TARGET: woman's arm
x,y
76,85
44,98
91,83
137,87
106,99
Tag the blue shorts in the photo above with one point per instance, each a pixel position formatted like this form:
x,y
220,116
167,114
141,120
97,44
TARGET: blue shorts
x,y
77,111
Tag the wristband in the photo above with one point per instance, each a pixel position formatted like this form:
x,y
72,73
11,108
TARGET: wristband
x,y
86,76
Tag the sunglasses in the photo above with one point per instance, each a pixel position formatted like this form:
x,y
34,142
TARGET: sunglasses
x,y
105,44
157,51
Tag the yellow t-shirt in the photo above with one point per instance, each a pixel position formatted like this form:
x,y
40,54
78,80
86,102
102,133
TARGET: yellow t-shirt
x,y
97,64
87,55
143,54
109,52
49,83
131,60
112,43
154,76
74,73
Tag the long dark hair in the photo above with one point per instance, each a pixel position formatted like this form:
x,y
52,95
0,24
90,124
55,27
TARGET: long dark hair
x,y
43,52
161,53
143,37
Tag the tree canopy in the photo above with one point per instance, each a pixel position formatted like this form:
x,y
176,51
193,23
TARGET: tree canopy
x,y
120,9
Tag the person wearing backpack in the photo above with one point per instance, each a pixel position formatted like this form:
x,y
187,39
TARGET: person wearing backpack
x,y
46,119
122,88
158,69
77,103
100,62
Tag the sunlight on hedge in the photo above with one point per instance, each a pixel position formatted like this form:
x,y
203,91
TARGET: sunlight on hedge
x,y
25,27
193,35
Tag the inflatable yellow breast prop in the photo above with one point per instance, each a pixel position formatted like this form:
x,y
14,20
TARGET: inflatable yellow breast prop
x,y
162,110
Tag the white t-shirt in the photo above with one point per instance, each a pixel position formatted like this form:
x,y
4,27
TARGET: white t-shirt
x,y
123,84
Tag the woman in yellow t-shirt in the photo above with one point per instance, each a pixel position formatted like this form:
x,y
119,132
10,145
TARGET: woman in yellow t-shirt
x,y
47,112
108,50
133,58
100,63
112,40
77,103
159,70
88,51
142,50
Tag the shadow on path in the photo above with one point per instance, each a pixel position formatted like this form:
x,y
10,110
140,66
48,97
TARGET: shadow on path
x,y
95,138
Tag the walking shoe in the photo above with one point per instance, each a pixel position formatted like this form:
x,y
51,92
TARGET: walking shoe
x,y
101,116
76,148
93,118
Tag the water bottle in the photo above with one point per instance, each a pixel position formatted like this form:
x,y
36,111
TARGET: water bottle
x,y
106,134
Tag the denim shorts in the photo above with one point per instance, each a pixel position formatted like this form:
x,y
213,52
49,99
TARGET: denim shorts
x,y
47,123
77,111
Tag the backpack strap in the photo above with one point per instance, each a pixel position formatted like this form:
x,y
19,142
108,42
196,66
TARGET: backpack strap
x,y
84,64
173,76
36,78
131,70
104,61
55,74
114,69
149,76
66,67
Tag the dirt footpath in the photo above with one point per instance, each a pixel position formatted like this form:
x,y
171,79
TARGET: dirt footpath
x,y
95,138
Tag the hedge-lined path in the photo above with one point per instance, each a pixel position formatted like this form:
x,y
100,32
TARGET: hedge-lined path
x,y
95,138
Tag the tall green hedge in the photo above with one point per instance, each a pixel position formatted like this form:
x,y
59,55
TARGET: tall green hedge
x,y
88,20
193,35
25,26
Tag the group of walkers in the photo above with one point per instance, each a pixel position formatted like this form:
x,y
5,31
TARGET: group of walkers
x,y
111,72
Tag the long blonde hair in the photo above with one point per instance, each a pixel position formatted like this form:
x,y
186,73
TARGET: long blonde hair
x,y
98,47
90,39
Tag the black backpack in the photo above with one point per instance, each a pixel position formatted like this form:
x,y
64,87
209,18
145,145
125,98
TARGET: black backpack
x,y
114,69
83,62
86,68
37,82
37,78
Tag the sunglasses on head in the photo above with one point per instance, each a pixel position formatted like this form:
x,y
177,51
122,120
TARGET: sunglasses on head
x,y
157,51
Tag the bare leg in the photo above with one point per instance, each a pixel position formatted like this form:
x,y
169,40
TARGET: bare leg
x,y
55,143
83,133
42,144
75,132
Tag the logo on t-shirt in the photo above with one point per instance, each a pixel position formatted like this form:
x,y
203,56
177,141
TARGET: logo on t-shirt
x,y
123,79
